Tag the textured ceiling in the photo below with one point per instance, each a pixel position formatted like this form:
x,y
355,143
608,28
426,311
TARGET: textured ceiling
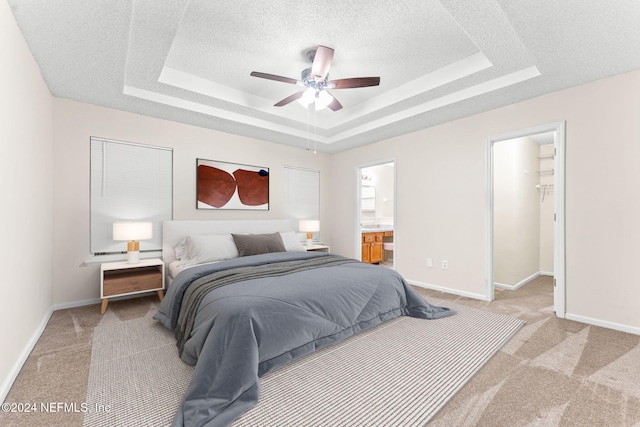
x,y
189,61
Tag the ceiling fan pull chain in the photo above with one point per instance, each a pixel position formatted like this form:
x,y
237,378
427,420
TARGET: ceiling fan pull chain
x,y
315,129
308,129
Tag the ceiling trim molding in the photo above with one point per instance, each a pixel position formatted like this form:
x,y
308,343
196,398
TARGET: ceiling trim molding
x,y
198,107
470,92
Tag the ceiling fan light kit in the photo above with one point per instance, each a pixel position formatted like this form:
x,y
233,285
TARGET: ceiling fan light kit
x,y
321,98
315,80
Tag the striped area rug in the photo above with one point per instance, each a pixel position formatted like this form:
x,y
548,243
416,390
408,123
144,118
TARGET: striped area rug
x,y
399,373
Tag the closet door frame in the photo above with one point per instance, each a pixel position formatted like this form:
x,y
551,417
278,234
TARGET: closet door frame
x,y
559,294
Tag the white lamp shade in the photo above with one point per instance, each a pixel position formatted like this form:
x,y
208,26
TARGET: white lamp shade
x,y
309,225
131,230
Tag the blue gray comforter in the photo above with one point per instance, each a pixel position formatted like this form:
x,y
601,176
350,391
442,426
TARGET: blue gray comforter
x,y
242,328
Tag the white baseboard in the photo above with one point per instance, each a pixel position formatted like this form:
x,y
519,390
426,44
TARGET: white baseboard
x,y
81,303
569,316
17,366
74,304
603,323
517,285
448,290
522,282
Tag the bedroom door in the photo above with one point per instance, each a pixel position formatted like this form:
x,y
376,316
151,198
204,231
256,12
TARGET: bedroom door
x,y
526,210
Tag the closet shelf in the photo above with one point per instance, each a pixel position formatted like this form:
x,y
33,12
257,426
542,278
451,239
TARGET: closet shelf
x,y
545,156
545,189
545,171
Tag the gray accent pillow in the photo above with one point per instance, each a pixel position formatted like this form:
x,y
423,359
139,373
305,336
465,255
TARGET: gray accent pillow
x,y
256,244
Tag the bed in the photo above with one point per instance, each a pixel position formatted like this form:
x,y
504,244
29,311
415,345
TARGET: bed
x,y
245,298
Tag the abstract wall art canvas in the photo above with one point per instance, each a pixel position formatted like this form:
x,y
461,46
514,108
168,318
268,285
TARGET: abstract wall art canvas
x,y
222,185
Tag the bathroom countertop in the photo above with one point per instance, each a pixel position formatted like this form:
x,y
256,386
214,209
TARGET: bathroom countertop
x,y
379,229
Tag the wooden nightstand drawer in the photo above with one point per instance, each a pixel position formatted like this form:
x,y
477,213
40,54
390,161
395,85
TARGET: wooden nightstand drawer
x,y
122,278
124,281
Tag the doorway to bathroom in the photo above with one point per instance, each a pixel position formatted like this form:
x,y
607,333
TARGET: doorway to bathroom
x,y
376,183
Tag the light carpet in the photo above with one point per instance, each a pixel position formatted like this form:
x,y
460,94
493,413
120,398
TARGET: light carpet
x,y
399,373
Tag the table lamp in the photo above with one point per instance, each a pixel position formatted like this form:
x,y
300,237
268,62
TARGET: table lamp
x,y
310,226
132,232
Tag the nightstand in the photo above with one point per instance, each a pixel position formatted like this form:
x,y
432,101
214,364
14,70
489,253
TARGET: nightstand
x,y
121,278
317,248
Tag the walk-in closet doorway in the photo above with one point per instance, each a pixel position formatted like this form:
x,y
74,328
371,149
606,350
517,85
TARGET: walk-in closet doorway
x,y
526,209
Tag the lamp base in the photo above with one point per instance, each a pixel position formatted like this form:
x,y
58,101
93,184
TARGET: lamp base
x,y
133,252
133,257
309,238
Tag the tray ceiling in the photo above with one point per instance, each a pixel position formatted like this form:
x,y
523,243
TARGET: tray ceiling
x,y
189,61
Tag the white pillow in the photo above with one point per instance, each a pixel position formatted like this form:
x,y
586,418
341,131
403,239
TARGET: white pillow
x,y
208,248
181,250
291,241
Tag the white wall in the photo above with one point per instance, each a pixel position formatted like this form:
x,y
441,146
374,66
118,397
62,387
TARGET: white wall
x,y
25,217
442,197
75,123
383,181
384,192
516,211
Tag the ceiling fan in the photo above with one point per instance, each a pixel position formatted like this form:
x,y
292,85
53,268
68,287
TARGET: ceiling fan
x,y
315,81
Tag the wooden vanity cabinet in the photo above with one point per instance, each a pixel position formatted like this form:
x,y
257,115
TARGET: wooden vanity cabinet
x,y
372,247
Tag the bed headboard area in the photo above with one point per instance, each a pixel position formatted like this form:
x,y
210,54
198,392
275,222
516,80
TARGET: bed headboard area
x,y
173,232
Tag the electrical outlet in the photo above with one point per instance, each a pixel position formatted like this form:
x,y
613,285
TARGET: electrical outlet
x,y
445,264
429,263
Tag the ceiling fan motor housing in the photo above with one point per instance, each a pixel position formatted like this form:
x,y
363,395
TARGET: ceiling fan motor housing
x,y
309,81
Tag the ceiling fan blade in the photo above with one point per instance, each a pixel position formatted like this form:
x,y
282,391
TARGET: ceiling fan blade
x,y
335,104
290,99
354,82
274,77
321,63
